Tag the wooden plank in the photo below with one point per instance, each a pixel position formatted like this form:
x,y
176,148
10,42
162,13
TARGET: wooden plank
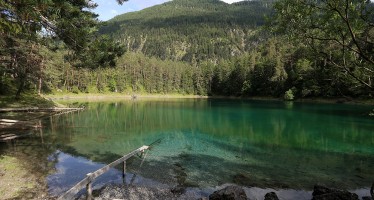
x,y
115,163
74,190
92,176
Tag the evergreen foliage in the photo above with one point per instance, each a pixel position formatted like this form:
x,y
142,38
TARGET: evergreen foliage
x,y
191,30
203,47
28,26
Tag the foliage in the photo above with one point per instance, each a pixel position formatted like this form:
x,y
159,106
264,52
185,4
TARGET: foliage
x,y
203,47
191,30
340,33
102,52
25,26
288,95
265,66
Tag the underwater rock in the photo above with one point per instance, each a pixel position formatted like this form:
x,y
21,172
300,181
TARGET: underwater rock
x,y
229,193
324,193
242,179
271,196
134,192
367,198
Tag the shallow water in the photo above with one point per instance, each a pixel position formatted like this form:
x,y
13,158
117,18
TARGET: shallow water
x,y
205,143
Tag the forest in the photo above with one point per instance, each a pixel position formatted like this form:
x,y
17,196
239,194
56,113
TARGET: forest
x,y
284,49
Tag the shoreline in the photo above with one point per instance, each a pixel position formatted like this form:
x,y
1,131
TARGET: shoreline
x,y
335,100
113,190
121,96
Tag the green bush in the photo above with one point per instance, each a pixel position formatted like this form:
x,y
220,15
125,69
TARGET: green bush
x,y
288,95
75,90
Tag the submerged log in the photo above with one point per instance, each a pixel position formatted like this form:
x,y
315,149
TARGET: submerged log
x,y
11,129
8,125
6,137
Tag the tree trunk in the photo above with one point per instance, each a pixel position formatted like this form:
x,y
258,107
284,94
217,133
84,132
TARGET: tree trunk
x,y
1,85
20,88
40,86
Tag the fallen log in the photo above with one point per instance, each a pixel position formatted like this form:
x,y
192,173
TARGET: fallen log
x,y
36,109
8,121
7,137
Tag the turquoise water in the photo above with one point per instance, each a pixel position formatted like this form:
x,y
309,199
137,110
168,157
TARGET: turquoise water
x,y
209,142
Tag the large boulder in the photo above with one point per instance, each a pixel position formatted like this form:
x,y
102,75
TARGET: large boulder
x,y
271,196
324,193
229,193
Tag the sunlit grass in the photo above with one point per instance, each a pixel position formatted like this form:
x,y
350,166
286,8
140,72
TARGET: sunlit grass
x,y
26,100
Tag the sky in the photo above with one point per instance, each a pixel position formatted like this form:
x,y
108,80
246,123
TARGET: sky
x,y
107,9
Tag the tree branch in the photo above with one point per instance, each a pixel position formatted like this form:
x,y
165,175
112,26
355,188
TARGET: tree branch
x,y
353,36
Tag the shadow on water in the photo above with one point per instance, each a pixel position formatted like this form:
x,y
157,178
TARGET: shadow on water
x,y
295,168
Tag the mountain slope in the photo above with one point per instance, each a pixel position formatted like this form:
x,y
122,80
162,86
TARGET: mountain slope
x,y
190,30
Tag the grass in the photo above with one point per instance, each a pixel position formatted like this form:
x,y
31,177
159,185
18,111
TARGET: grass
x,y
26,100
14,179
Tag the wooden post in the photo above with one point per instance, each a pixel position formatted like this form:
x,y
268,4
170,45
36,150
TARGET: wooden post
x,y
89,187
124,172
41,131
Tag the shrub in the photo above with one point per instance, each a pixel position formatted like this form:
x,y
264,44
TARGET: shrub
x,y
288,95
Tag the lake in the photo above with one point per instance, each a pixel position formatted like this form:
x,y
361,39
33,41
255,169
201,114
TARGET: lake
x,y
204,143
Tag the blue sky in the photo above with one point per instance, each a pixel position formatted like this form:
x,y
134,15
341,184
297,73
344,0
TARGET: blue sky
x,y
107,9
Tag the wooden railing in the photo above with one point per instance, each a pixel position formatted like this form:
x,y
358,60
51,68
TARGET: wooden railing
x,y
92,176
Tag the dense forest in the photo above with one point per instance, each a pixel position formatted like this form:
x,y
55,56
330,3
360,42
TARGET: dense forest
x,y
205,47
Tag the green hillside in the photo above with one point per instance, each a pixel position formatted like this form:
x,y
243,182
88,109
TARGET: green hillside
x,y
191,30
206,47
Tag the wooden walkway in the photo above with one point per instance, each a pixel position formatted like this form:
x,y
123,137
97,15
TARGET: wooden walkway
x,y
87,182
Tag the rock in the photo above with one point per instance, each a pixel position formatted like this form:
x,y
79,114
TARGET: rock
x,y
271,196
178,190
367,198
324,193
229,193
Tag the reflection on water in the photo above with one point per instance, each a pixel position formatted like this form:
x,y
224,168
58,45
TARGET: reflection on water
x,y
206,143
